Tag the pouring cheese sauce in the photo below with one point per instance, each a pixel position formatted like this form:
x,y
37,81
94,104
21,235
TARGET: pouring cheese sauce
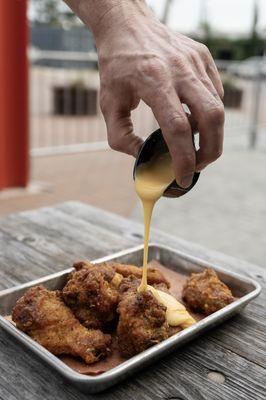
x,y
152,179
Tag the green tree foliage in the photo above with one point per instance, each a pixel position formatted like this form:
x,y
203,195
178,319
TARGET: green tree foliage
x,y
52,13
224,47
234,48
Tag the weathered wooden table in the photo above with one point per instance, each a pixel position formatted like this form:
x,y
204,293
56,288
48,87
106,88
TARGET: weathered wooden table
x,y
227,363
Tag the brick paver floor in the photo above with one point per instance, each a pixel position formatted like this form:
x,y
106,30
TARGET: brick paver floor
x,y
102,178
226,211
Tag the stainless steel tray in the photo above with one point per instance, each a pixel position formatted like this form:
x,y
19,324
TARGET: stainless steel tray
x,y
244,288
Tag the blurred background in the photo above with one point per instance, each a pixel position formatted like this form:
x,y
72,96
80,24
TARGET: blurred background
x,y
67,156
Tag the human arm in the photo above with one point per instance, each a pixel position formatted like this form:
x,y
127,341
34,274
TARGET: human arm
x,y
140,58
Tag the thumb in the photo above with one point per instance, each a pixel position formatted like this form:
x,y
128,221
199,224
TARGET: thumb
x,y
120,132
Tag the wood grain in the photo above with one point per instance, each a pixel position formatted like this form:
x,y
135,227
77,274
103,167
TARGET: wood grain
x,y
36,243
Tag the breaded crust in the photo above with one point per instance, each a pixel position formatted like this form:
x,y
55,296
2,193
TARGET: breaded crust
x,y
206,293
43,315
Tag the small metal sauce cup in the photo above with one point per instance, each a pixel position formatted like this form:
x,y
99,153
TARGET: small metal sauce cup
x,y
155,144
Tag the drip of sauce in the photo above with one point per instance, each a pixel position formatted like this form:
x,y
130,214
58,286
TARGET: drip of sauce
x,y
152,179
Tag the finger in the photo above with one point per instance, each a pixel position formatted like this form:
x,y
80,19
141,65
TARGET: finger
x,y
177,133
210,68
208,83
214,76
120,131
213,73
209,113
208,73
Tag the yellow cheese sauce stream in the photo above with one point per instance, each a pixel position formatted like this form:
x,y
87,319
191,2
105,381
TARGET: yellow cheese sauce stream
x,y
152,178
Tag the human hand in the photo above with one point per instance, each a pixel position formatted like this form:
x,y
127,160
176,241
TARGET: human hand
x,y
140,58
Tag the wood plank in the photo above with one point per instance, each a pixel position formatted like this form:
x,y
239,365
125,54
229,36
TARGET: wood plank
x,y
103,218
80,232
54,227
45,242
20,263
126,227
182,375
35,243
122,231
247,342
38,237
243,336
47,231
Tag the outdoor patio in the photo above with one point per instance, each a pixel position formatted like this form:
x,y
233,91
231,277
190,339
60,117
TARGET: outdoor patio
x,y
226,211
68,202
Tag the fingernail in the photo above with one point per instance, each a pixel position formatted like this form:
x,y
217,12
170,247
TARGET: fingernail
x,y
186,181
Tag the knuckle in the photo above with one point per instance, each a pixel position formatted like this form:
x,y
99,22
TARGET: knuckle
x,y
215,114
103,106
217,95
221,92
203,50
152,67
177,122
178,60
114,143
214,153
103,103
205,80
217,152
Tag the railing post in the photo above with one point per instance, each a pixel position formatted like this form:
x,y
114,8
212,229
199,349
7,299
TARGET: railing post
x,y
253,134
14,152
166,11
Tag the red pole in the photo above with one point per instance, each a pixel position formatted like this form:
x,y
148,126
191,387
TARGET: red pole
x,y
14,152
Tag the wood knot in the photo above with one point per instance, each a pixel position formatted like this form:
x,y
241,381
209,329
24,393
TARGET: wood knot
x,y
137,235
174,398
216,377
28,239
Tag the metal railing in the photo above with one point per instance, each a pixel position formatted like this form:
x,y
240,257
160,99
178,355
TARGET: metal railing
x,y
37,55
64,104
245,95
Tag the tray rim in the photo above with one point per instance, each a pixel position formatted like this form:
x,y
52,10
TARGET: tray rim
x,y
137,360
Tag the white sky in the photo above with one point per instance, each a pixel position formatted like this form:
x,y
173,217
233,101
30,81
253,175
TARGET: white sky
x,y
227,16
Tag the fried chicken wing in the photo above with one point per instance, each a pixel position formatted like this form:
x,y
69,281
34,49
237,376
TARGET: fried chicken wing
x,y
132,283
155,276
92,294
44,316
206,293
142,320
92,291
